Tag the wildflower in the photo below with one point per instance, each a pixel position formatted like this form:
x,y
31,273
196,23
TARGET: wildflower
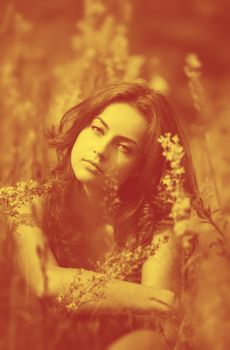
x,y
167,181
193,61
181,207
71,306
13,197
119,264
172,183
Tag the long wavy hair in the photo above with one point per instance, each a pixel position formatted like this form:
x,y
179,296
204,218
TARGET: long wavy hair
x,y
65,229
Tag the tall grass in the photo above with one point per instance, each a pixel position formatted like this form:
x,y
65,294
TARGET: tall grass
x,y
33,96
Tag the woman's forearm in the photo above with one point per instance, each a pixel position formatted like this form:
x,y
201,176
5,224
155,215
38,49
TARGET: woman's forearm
x,y
88,289
92,291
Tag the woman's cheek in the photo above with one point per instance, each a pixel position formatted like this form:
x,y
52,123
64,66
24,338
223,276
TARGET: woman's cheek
x,y
126,170
81,144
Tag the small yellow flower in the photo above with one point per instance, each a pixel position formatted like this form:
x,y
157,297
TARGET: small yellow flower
x,y
173,183
175,139
71,306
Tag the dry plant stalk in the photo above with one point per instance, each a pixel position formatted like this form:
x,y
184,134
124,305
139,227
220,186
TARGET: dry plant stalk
x,y
193,71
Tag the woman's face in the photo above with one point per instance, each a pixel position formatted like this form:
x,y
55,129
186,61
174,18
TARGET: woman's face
x,y
110,146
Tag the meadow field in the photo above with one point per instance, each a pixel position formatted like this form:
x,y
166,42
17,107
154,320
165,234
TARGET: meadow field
x,y
52,56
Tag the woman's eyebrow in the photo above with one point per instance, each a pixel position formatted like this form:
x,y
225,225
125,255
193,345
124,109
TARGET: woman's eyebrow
x,y
128,140
120,136
103,122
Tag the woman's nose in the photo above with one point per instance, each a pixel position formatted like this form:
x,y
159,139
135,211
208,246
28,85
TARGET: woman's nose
x,y
102,149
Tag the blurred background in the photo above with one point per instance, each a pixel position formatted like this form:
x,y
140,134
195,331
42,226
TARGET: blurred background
x,y
55,53
52,54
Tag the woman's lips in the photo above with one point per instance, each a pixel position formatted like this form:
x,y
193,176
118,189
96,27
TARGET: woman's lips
x,y
93,165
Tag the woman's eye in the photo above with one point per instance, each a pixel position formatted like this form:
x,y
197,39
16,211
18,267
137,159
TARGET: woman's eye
x,y
97,129
124,148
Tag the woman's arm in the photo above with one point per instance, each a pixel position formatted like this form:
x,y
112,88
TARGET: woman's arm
x,y
162,270
43,275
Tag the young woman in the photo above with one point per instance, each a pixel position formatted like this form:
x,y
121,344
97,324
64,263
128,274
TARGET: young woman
x,y
110,165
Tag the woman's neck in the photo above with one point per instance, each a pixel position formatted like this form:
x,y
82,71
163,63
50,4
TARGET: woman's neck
x,y
91,205
91,196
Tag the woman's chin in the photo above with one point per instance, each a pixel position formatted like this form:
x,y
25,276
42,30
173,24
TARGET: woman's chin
x,y
86,176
